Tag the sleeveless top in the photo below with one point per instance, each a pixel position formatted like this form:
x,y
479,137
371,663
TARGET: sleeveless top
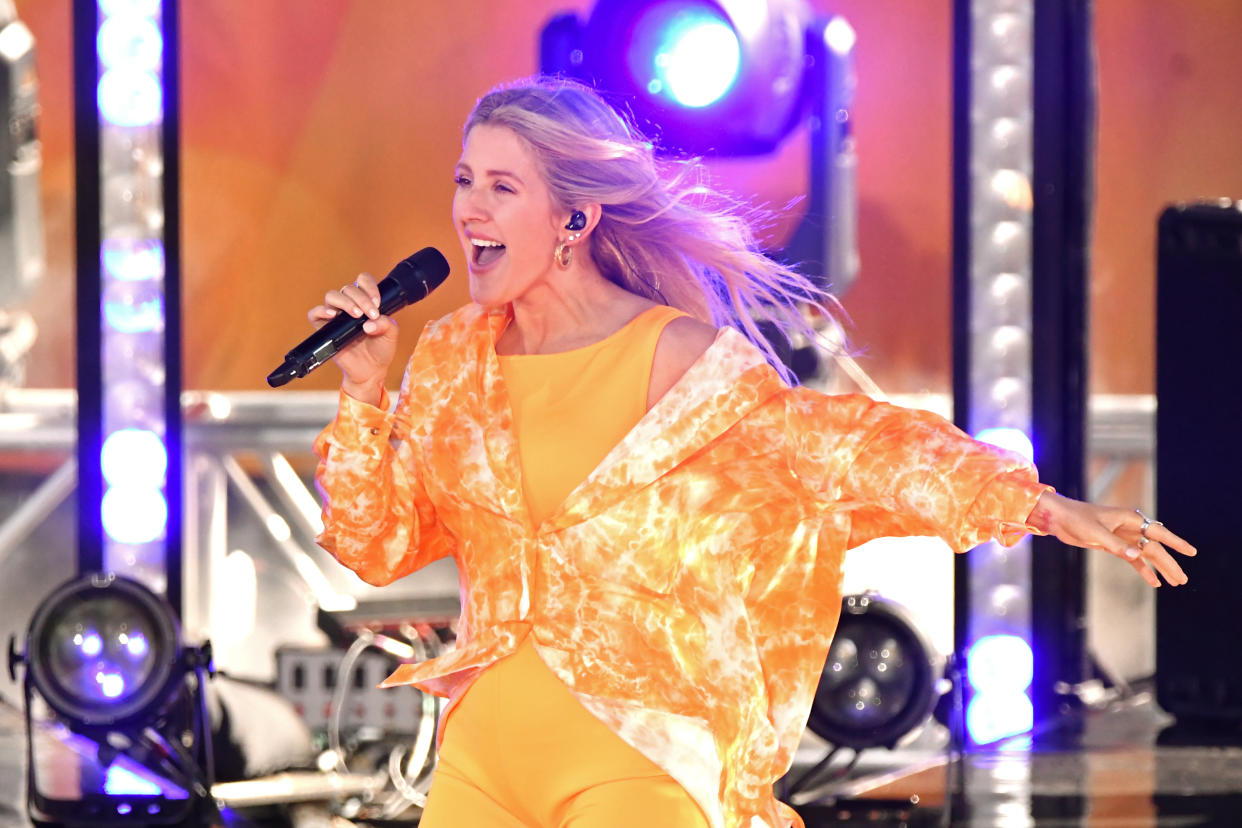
x,y
571,408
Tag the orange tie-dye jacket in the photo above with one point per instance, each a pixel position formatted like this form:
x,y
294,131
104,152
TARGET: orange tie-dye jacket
x,y
687,591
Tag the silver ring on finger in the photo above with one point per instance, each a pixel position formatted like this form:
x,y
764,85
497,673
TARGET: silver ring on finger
x,y
1146,522
1143,541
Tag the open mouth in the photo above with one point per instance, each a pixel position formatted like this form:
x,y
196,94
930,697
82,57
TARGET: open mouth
x,y
486,251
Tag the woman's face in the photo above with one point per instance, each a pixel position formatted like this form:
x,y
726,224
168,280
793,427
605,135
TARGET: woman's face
x,y
504,215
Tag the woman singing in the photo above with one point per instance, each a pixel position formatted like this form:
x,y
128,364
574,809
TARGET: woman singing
x,y
647,519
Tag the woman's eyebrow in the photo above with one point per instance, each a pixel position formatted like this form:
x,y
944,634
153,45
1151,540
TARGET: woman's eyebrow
x,y
493,173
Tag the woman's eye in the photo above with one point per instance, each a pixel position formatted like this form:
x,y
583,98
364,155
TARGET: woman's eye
x,y
504,188
461,181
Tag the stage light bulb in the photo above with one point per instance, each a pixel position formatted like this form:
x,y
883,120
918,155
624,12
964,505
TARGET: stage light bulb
x,y
1012,439
111,684
1000,664
133,260
995,715
840,36
133,307
91,644
134,514
136,645
698,61
121,781
133,457
130,97
130,42
120,8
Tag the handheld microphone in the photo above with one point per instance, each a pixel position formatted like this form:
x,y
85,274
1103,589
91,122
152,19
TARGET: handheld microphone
x,y
411,280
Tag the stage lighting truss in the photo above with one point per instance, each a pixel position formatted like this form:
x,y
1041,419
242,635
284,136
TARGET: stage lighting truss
x,y
732,78
116,715
879,685
134,351
1001,202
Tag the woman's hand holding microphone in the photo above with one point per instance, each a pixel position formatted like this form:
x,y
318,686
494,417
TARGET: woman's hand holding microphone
x,y
363,362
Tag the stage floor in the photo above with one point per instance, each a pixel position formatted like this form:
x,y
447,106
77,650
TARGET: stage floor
x,y
1129,767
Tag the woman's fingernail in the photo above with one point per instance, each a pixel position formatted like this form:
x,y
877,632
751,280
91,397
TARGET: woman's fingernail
x,y
1132,553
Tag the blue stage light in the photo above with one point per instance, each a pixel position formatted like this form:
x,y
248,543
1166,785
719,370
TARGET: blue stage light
x,y
133,260
111,684
701,76
133,457
695,58
1000,663
90,644
134,514
840,36
995,715
130,98
1013,439
135,645
120,8
131,314
122,782
130,42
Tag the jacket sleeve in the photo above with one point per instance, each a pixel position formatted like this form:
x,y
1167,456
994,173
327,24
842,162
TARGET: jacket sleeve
x,y
902,472
377,517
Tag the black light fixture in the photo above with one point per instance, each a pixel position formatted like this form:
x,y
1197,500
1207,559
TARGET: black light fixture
x,y
116,716
880,681
879,685
732,78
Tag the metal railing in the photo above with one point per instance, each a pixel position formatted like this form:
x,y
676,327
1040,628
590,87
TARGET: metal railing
x,y
244,441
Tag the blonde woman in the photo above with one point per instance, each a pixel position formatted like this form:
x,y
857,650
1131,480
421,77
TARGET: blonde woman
x,y
647,519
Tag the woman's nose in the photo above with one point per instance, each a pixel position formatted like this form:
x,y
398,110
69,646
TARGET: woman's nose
x,y
470,204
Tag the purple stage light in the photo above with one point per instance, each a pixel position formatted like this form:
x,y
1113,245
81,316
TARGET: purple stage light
x,y
1013,439
91,644
112,684
136,645
121,781
1001,663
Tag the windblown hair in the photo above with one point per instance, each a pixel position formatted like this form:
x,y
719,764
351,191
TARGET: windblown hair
x,y
664,233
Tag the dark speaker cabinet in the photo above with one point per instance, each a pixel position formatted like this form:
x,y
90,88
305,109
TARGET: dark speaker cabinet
x,y
1199,458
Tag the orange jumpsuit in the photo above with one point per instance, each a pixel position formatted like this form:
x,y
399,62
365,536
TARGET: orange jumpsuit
x,y
686,592
519,749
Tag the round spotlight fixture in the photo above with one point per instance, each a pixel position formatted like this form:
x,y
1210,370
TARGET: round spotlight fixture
x,y
718,77
115,708
688,55
103,650
880,680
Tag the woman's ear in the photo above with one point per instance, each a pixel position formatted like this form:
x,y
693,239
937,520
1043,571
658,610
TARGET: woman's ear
x,y
583,219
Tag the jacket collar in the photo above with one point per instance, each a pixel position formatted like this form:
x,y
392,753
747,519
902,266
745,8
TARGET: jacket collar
x,y
726,383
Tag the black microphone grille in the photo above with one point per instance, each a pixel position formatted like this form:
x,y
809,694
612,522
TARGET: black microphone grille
x,y
421,273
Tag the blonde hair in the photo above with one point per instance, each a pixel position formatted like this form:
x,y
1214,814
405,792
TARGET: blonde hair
x,y
664,233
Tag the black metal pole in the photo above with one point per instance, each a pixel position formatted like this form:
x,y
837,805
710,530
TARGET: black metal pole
x,y
173,439
89,336
1063,147
961,48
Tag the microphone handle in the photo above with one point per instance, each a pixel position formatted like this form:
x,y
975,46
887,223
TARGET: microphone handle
x,y
335,334
411,280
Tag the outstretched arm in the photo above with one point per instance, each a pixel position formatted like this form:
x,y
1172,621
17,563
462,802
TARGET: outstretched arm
x,y
908,472
1114,530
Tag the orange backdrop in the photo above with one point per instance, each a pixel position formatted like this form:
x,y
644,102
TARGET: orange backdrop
x,y
318,140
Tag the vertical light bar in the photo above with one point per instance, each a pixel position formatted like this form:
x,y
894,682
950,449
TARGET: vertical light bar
x,y
1000,377
135,414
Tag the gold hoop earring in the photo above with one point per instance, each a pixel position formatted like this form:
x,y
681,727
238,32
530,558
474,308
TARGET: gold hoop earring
x,y
564,253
